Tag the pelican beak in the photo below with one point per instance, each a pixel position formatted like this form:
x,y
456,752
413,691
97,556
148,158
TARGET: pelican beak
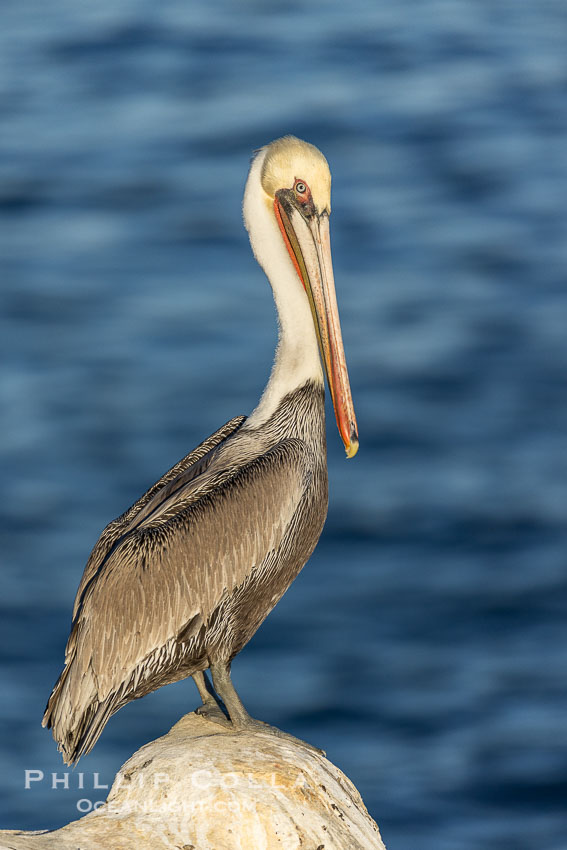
x,y
308,241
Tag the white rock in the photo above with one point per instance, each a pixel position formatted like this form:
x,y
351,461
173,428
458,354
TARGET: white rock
x,y
204,787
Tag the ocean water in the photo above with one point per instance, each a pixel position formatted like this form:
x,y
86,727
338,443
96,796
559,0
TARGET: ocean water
x,y
424,646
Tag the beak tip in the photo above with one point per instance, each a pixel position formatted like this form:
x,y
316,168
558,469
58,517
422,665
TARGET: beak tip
x,y
352,448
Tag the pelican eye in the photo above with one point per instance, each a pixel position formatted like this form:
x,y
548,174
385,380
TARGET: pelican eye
x,y
300,188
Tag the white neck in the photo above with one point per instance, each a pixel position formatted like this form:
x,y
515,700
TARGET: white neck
x,y
297,354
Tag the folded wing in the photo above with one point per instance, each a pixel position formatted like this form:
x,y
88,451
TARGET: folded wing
x,y
164,578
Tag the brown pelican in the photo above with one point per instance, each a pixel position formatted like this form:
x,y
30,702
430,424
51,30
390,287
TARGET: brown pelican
x,y
182,580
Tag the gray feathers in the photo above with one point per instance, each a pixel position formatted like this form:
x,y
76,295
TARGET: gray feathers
x,y
189,572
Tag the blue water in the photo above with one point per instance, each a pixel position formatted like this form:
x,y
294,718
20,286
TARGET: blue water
x,y
425,644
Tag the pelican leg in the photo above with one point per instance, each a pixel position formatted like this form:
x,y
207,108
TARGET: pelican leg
x,y
210,707
220,671
240,718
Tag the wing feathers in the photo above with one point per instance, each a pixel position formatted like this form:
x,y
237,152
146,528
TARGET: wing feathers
x,y
161,582
115,529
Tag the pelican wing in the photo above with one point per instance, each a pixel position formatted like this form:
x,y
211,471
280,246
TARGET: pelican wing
x,y
114,530
170,571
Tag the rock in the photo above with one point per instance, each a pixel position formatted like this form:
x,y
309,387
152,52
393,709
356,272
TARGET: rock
x,y
205,787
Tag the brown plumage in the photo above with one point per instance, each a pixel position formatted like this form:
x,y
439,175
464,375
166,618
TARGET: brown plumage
x,y
181,581
190,571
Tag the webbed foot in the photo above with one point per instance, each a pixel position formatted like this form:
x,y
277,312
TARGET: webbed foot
x,y
212,711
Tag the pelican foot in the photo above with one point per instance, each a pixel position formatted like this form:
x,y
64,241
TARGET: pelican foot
x,y
251,724
241,720
213,712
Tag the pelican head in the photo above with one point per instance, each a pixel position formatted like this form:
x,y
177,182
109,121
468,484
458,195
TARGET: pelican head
x,y
296,193
290,164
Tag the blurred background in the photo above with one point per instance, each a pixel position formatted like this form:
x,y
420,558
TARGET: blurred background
x,y
425,644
